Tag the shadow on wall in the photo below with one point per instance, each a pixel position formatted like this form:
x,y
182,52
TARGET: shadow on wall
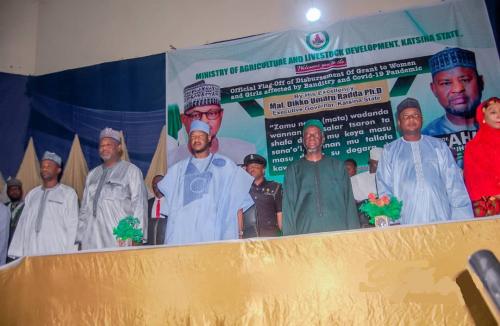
x,y
477,306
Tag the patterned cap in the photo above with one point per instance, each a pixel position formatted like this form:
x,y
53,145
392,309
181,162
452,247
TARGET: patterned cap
x,y
110,133
254,158
200,126
52,156
200,94
450,58
11,182
375,153
408,103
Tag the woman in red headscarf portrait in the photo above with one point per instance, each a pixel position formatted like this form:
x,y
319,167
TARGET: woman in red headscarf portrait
x,y
482,160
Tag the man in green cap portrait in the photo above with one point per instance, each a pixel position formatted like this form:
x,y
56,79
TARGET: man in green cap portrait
x,y
317,190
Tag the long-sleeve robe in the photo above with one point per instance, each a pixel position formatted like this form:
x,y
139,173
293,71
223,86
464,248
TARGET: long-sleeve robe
x,y
110,195
482,160
424,175
318,197
202,198
46,226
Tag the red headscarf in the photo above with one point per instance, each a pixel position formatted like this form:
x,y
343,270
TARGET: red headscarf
x,y
482,159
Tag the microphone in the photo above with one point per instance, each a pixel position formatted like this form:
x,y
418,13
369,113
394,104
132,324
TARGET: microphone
x,y
487,268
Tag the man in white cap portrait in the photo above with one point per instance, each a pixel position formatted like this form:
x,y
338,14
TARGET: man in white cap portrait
x,y
203,193
50,216
364,183
202,102
113,190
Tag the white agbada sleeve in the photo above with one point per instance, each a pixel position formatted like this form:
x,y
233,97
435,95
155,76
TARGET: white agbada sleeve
x,y
460,204
85,212
423,175
384,174
70,220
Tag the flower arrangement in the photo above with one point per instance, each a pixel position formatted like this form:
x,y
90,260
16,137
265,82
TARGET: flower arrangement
x,y
486,206
384,206
128,230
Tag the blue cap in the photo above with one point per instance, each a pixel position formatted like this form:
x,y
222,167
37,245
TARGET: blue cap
x,y
200,126
450,58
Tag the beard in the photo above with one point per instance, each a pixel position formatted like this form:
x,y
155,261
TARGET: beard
x,y
469,112
105,157
15,195
466,114
313,150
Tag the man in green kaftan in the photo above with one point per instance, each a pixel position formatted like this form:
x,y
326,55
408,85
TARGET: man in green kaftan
x,y
317,191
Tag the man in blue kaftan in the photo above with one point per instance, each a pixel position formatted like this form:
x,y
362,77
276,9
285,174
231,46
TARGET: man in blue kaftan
x,y
203,193
420,171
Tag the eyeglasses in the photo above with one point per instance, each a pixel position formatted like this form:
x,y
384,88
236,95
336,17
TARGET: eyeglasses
x,y
211,115
411,116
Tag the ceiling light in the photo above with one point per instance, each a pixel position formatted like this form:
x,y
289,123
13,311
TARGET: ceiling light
x,y
313,14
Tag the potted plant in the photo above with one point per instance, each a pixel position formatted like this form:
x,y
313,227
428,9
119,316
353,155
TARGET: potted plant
x,y
383,210
128,232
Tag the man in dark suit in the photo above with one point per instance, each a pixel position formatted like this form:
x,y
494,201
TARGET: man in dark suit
x,y
16,203
157,223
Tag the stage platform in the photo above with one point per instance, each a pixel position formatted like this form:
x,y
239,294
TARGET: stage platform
x,y
401,275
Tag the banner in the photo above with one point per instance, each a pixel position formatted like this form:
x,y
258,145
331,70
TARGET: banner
x,y
351,75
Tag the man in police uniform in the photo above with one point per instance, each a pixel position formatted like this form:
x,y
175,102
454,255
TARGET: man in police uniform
x,y
264,218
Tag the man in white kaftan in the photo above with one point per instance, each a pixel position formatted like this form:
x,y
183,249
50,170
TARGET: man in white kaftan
x,y
203,193
113,190
50,216
420,171
364,183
